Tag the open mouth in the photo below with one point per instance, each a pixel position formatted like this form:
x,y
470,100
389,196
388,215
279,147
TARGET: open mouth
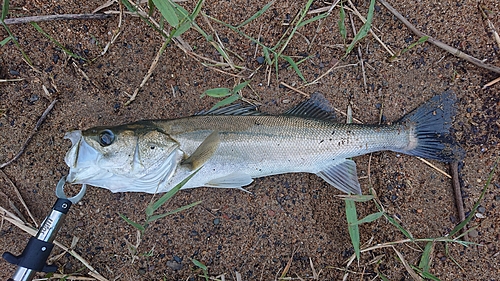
x,y
81,158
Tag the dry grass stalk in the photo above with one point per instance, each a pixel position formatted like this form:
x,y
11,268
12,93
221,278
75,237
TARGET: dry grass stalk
x,y
438,43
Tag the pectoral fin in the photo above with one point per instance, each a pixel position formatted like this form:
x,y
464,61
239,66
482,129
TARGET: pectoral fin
x,y
233,180
204,152
342,175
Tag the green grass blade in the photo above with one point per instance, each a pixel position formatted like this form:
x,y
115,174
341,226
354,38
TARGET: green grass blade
x,y
294,66
151,7
395,222
167,10
240,86
357,198
422,40
217,92
5,41
425,261
132,223
256,15
461,225
352,218
180,209
342,28
426,275
18,46
265,50
369,218
39,29
151,208
185,26
196,10
318,17
5,10
232,98
129,6
382,277
363,31
199,264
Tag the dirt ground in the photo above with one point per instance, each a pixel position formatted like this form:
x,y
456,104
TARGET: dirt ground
x,y
287,221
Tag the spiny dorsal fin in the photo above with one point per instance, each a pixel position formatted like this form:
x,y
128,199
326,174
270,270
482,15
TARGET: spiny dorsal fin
x,y
316,107
204,152
235,109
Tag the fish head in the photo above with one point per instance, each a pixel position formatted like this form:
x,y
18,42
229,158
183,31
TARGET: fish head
x,y
133,157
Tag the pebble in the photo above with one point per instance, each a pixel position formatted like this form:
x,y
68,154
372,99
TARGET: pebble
x,y
260,60
473,233
14,72
174,265
216,221
34,98
481,209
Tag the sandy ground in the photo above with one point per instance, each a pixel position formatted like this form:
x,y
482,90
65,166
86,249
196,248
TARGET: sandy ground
x,y
294,219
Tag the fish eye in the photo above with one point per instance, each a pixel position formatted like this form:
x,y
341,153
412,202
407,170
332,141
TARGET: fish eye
x,y
106,138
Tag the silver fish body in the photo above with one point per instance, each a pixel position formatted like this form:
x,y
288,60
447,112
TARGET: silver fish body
x,y
231,147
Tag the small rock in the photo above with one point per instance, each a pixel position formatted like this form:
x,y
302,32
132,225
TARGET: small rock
x,y
481,209
216,221
473,233
14,72
34,98
260,60
174,265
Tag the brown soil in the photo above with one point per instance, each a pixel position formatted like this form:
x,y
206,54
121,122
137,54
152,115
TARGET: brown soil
x,y
295,217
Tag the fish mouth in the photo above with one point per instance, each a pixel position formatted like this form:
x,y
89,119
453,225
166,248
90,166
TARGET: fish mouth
x,y
81,158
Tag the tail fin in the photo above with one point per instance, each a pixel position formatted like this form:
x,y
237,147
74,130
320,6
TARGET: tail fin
x,y
431,123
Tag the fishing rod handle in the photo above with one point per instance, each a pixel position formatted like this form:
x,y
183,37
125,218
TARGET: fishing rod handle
x,y
37,251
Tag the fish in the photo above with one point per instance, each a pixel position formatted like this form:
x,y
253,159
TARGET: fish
x,y
229,147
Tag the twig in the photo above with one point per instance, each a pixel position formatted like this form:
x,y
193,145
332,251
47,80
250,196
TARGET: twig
x,y
434,167
38,123
458,195
363,19
18,194
153,66
491,83
490,26
56,17
294,89
438,43
360,56
11,80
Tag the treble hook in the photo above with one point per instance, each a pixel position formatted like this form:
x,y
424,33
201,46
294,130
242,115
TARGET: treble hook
x,y
60,191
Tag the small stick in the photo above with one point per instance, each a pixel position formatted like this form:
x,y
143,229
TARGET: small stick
x,y
153,66
438,43
38,123
491,83
294,89
434,167
56,17
18,194
360,55
458,195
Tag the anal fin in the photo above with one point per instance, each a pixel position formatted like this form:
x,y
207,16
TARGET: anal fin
x,y
204,151
233,180
342,175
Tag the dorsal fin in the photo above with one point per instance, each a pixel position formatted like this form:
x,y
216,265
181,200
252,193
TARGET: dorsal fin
x,y
235,109
316,107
